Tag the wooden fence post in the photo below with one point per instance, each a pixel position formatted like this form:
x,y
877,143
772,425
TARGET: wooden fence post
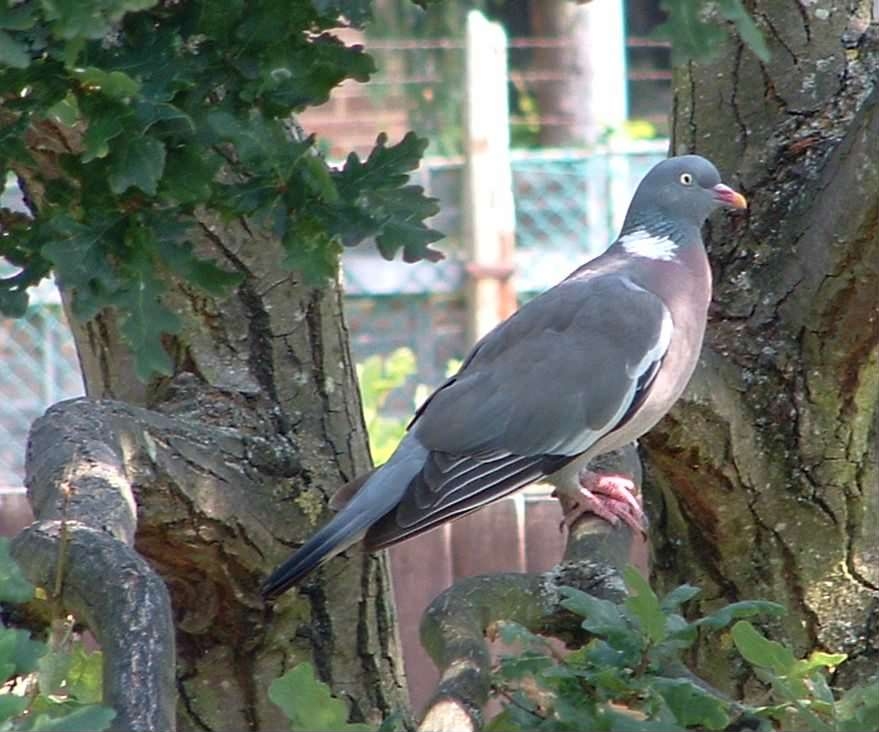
x,y
489,213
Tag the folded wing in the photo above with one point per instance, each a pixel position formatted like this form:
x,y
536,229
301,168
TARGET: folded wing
x,y
568,368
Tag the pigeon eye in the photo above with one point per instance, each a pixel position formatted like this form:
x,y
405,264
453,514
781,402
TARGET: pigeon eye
x,y
686,179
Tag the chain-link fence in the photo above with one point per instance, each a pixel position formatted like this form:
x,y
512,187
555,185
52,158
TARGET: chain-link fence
x,y
567,205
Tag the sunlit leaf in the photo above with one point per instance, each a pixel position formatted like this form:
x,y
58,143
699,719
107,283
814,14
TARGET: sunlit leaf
x,y
309,704
759,650
643,604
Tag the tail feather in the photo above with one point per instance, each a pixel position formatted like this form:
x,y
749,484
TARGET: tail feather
x,y
379,494
335,537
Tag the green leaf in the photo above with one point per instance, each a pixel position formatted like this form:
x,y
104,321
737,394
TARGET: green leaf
x,y
144,318
85,677
317,175
13,586
11,706
289,77
91,718
759,650
734,11
13,54
53,668
311,252
138,162
73,19
599,653
610,718
259,194
105,122
745,609
13,304
260,143
114,84
189,174
858,708
358,12
78,255
817,660
643,604
17,17
821,691
678,596
503,722
602,617
74,673
308,703
200,272
149,112
65,111
525,664
692,705
509,632
380,203
518,714
18,653
386,168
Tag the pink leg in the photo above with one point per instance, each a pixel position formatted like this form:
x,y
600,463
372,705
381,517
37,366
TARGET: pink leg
x,y
608,496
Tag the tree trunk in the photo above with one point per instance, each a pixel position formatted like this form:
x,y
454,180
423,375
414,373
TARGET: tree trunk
x,y
561,98
231,465
765,475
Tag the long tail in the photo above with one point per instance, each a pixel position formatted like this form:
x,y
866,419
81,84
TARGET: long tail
x,y
380,494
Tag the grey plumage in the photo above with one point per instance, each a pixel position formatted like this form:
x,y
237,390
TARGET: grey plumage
x,y
585,368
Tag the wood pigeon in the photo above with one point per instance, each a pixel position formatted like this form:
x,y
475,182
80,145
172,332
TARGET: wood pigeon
x,y
585,368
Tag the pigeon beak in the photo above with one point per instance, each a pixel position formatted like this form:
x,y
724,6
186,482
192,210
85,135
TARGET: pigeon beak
x,y
726,196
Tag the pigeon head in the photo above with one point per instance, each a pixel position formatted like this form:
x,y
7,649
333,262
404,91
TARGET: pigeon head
x,y
677,195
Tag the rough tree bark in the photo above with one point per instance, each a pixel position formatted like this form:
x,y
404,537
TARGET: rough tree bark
x,y
230,463
764,478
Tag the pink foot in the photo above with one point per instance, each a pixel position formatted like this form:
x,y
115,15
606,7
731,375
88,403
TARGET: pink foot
x,y
608,496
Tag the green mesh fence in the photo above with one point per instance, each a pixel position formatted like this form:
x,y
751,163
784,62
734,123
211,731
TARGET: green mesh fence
x,y
568,207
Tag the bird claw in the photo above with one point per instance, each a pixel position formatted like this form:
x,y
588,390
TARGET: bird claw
x,y
608,496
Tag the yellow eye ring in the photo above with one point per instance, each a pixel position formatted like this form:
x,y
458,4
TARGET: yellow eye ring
x,y
686,179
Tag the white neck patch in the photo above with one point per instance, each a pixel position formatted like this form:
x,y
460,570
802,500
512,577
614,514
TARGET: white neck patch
x,y
644,244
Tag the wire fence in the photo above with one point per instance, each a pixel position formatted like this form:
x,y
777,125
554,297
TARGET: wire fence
x,y
567,206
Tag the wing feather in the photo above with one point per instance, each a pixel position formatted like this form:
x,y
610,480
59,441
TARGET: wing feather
x,y
571,366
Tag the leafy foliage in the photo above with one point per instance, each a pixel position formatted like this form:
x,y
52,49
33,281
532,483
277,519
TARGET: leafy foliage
x,y
627,676
309,704
45,687
800,694
125,118
378,376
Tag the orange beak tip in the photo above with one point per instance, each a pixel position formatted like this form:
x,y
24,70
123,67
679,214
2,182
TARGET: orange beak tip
x,y
726,196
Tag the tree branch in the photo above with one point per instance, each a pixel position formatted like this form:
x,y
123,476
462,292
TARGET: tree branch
x,y
84,533
453,627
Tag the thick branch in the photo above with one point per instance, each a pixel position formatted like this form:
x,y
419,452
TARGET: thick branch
x,y
454,625
86,520
125,604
